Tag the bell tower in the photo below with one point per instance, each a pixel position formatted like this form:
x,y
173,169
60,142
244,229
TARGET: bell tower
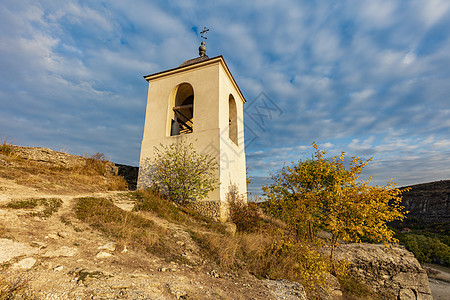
x,y
198,102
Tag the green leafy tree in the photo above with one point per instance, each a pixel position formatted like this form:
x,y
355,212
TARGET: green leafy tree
x,y
323,194
182,174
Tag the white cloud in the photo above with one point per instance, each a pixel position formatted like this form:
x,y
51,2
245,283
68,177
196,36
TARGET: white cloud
x,y
433,10
409,58
376,14
361,96
441,144
357,145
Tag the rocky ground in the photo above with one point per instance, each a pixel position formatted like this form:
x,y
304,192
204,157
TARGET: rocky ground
x,y
63,258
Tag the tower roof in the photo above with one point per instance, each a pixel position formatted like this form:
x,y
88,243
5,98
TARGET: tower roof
x,y
194,60
194,63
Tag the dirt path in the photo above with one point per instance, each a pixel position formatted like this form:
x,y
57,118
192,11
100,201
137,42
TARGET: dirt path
x,y
439,278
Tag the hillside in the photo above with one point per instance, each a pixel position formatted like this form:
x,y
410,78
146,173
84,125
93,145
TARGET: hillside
x,y
55,255
428,203
70,229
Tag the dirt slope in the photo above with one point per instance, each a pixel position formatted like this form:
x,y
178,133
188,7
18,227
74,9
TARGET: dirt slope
x,y
62,258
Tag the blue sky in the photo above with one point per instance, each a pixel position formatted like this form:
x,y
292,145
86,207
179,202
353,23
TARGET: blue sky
x,y
371,78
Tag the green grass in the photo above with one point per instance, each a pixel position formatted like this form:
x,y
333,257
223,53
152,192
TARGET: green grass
x,y
82,275
23,204
50,205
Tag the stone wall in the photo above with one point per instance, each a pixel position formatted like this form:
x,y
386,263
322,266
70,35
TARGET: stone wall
x,y
216,210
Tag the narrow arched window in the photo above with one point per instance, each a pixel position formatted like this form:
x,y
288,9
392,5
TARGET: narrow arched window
x,y
232,120
182,121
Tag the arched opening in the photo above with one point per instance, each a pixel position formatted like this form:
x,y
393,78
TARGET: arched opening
x,y
232,120
182,121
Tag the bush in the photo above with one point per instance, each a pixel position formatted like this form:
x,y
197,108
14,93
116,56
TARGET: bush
x,y
6,148
182,174
274,256
426,249
323,194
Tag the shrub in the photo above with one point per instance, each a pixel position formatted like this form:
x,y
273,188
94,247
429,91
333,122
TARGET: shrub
x,y
6,148
274,256
182,174
323,194
426,249
246,216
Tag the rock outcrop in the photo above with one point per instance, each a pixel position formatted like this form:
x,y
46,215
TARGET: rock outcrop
x,y
428,202
57,159
391,271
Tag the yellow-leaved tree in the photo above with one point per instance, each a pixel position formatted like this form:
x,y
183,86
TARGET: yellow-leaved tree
x,y
321,194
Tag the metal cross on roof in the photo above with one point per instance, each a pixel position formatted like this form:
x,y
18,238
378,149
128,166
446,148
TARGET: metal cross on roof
x,y
203,33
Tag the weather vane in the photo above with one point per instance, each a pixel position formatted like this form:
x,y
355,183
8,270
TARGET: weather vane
x,y
202,48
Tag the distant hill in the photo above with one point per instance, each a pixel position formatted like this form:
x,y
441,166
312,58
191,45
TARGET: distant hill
x,y
428,202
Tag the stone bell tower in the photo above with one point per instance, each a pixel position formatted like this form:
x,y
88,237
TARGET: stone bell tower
x,y
198,102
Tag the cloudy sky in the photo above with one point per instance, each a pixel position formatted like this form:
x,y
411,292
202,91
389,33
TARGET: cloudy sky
x,y
371,78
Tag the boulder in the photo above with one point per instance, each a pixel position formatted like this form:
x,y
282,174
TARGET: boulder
x,y
390,271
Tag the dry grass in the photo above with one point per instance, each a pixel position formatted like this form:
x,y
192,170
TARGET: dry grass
x,y
6,148
104,215
3,231
263,247
355,289
90,176
148,200
128,228
13,286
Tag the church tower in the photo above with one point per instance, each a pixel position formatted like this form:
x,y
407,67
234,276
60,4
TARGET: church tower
x,y
198,102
